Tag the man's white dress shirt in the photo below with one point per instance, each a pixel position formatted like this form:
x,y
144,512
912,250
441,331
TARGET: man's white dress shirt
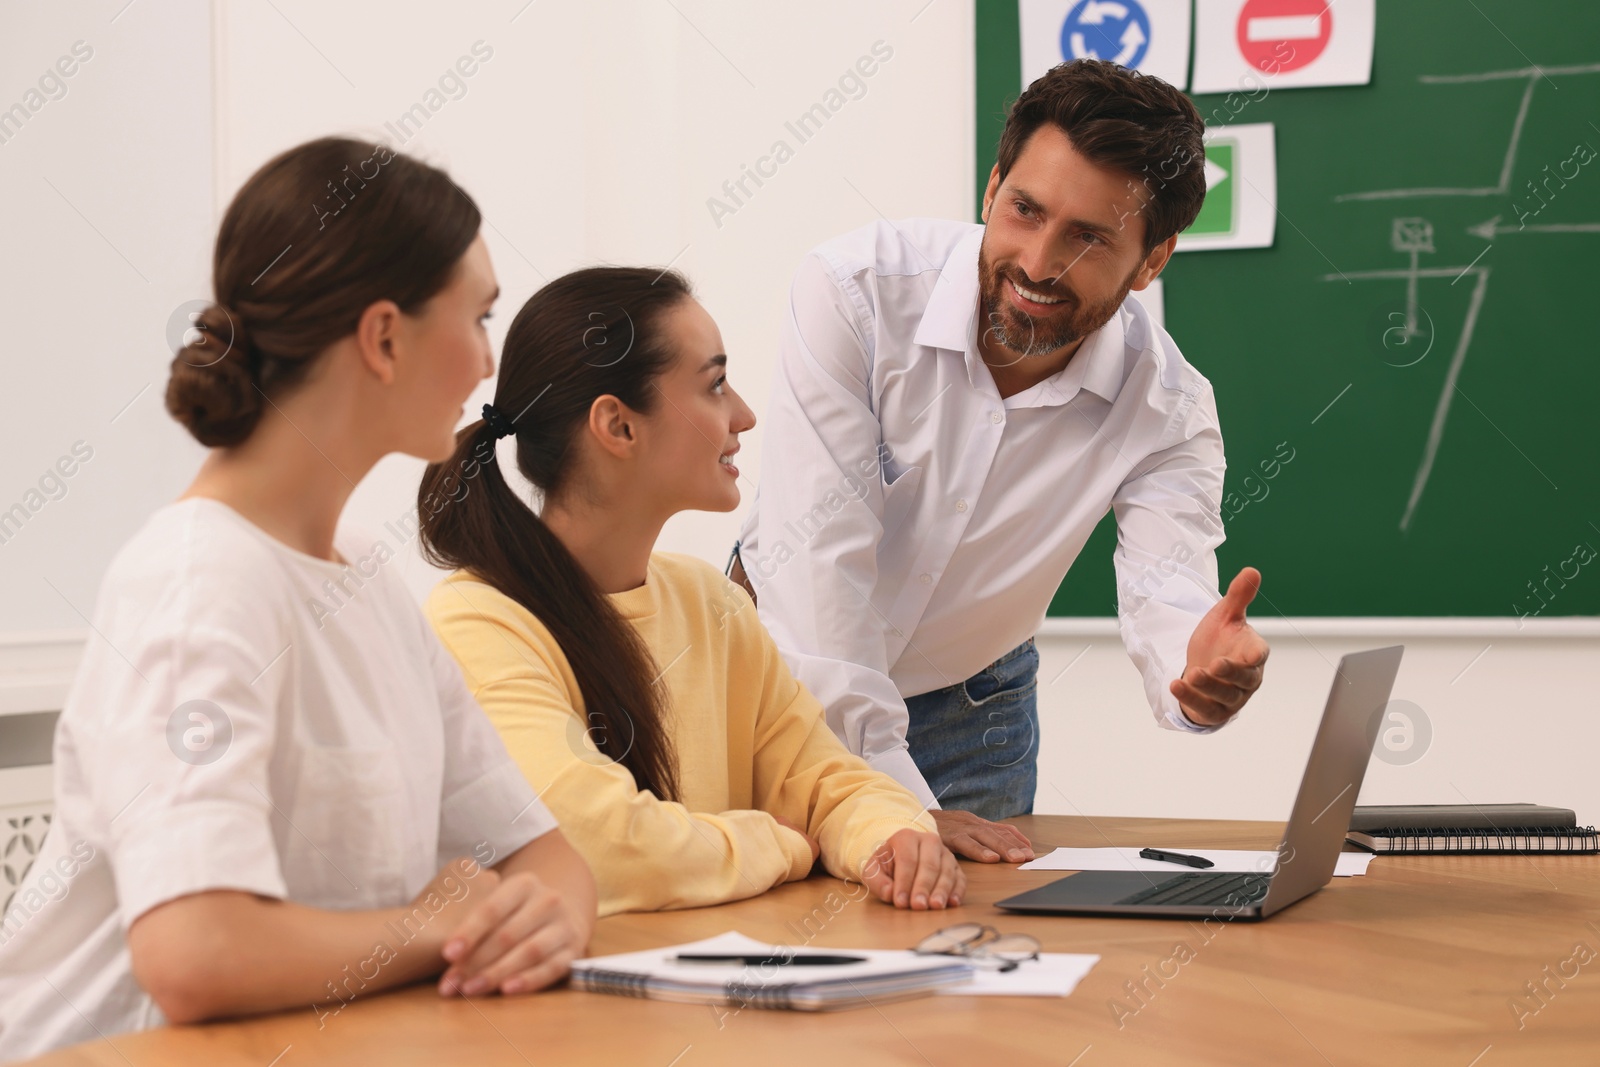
x,y
911,526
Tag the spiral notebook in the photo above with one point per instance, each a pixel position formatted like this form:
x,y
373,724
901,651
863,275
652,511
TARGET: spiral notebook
x,y
1459,828
883,975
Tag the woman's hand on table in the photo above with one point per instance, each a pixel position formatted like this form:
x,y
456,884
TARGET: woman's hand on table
x,y
913,869
516,936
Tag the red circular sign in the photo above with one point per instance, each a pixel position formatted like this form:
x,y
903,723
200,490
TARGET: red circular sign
x,y
1276,36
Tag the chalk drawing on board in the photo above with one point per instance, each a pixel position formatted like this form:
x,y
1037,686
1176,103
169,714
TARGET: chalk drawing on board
x,y
1414,236
1509,162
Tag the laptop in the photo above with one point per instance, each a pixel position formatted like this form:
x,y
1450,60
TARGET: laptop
x,y
1312,839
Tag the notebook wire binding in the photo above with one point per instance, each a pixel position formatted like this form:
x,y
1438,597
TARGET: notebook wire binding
x,y
1507,840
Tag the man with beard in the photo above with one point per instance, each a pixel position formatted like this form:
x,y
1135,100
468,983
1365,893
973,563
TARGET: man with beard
x,y
955,407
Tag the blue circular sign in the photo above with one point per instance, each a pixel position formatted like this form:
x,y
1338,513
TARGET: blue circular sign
x,y
1115,30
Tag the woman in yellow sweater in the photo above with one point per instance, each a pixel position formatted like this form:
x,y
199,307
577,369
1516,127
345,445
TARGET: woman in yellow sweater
x,y
638,690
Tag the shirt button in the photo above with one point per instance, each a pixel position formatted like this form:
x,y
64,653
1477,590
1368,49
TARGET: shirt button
x,y
961,505
995,416
926,579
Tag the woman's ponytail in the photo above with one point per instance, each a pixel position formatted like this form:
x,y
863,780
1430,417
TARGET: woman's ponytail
x,y
472,519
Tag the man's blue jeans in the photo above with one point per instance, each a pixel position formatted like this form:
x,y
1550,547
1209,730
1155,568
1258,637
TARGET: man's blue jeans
x,y
977,742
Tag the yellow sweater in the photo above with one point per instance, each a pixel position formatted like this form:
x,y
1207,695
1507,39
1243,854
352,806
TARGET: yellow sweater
x,y
751,744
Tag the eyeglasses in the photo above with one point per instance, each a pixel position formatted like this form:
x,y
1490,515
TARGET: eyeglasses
x,y
983,945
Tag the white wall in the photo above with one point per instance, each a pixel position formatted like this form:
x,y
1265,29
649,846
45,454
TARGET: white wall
x,y
597,132
1512,718
107,228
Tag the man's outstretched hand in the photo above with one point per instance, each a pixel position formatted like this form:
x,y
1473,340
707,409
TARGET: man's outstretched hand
x,y
1226,657
977,838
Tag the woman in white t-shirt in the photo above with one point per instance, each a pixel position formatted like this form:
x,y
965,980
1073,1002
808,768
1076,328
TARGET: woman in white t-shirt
x,y
272,787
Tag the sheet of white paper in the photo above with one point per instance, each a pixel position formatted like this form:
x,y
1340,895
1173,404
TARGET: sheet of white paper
x,y
1256,46
1351,864
1227,860
1241,207
1150,36
1053,974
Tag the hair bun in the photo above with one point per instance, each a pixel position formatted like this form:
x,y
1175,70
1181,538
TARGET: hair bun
x,y
214,389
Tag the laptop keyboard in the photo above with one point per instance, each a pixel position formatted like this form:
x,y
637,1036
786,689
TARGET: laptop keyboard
x,y
1204,889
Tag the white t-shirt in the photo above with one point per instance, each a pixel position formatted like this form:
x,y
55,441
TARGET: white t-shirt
x,y
245,717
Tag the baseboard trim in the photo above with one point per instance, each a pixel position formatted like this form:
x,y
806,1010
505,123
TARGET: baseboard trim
x,y
36,668
1397,628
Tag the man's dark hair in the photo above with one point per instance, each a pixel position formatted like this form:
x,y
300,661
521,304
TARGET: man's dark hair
x,y
1124,120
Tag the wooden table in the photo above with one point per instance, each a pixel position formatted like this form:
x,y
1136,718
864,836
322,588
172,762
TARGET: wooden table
x,y
1420,962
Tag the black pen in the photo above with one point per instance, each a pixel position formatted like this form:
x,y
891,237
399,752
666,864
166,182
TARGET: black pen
x,y
1174,857
771,961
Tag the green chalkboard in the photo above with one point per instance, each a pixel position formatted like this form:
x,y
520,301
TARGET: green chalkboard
x,y
1502,369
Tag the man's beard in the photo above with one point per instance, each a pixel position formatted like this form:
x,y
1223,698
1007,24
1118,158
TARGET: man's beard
x,y
1016,331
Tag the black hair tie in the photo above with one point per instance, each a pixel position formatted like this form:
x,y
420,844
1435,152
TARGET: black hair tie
x,y
497,422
